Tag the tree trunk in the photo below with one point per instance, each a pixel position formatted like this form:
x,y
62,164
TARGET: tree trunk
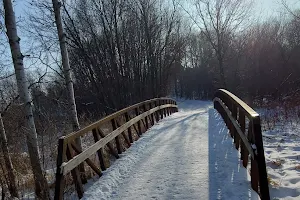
x,y
41,186
12,184
66,65
68,78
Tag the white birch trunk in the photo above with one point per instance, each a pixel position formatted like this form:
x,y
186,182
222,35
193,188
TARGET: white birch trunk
x,y
66,65
66,68
41,186
12,184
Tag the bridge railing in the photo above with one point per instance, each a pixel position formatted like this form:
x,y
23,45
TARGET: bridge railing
x,y
123,125
238,117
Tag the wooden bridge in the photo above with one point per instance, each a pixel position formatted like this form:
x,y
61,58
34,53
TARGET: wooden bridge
x,y
109,137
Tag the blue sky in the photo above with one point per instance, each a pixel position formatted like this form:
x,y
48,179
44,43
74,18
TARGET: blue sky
x,y
262,8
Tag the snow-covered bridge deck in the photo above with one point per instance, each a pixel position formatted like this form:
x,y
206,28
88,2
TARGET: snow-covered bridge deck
x,y
188,155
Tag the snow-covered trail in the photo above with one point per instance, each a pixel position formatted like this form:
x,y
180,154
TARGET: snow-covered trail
x,y
187,155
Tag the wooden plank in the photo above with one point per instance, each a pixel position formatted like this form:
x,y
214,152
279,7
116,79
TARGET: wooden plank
x,y
100,151
235,134
88,161
71,164
137,113
259,179
237,127
161,111
156,113
248,110
136,130
60,179
254,175
152,115
75,174
129,129
244,152
117,138
106,119
146,118
164,110
260,158
110,147
124,135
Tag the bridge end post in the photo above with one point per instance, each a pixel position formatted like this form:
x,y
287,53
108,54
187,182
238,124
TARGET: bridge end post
x,y
59,183
260,158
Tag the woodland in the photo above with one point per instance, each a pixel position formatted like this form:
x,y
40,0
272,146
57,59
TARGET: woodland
x,y
65,64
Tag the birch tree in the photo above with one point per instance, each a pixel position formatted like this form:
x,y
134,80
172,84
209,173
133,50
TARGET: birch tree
x,y
41,187
66,66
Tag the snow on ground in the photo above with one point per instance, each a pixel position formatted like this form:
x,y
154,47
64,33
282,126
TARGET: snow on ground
x,y
187,155
282,152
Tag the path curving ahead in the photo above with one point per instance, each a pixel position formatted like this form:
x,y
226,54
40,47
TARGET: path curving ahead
x,y
187,155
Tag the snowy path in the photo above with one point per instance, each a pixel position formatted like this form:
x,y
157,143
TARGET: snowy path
x,y
187,155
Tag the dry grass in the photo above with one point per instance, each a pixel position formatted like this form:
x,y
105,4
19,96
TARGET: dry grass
x,y
297,167
277,162
273,182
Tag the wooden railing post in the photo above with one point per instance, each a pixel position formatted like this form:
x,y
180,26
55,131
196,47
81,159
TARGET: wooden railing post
x,y
235,134
110,147
244,151
60,180
129,129
231,108
161,111
100,151
71,157
168,109
157,112
152,115
260,158
146,118
137,112
176,109
117,139
75,174
165,110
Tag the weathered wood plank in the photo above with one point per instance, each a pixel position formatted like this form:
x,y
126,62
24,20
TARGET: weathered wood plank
x,y
88,161
129,129
71,164
137,113
100,151
106,119
60,180
248,110
117,138
237,127
124,135
254,146
110,147
146,118
254,175
75,174
260,158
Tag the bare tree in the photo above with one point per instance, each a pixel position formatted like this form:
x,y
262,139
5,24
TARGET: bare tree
x,y
41,186
66,65
219,20
12,184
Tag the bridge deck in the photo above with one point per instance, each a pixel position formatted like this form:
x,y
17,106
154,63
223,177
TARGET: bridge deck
x,y
187,155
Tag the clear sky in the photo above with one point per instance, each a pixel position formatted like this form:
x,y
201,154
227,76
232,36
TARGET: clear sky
x,y
262,8
272,8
